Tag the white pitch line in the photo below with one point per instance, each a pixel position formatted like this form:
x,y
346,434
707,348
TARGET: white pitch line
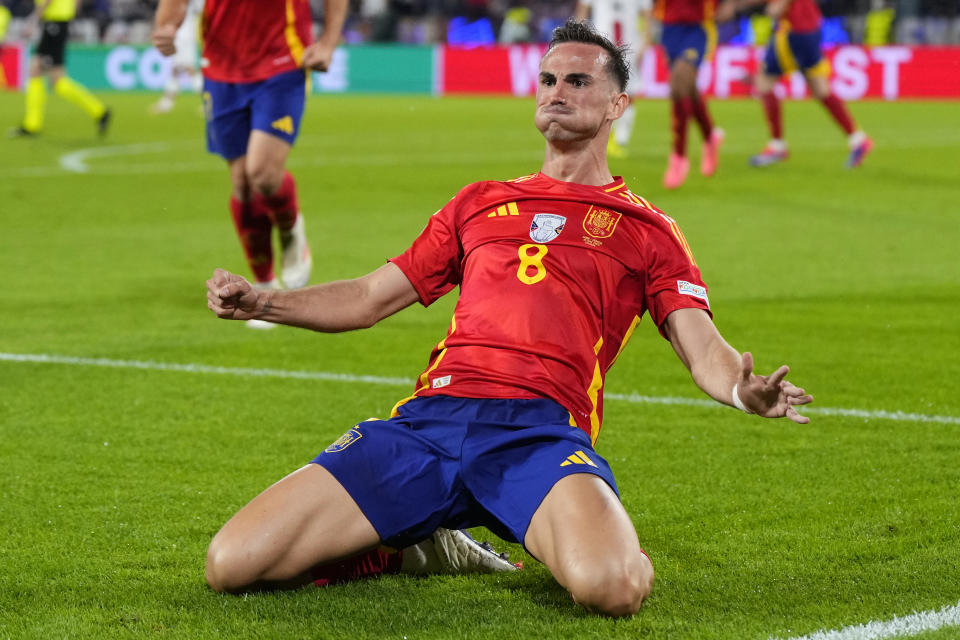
x,y
900,416
202,368
634,398
911,625
76,161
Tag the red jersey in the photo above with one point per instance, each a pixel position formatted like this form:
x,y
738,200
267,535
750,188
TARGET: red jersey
x,y
554,277
252,40
803,16
685,11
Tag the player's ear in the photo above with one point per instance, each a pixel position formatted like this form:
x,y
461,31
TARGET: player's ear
x,y
618,105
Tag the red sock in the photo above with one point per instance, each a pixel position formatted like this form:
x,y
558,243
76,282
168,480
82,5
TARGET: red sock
x,y
366,565
771,108
698,109
838,109
680,114
283,205
254,228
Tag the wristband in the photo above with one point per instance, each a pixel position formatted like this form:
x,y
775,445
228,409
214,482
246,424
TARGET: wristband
x,y
737,402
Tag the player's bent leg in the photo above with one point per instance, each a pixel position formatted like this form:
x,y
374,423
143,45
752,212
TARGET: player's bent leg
x,y
305,519
585,537
266,162
683,79
238,178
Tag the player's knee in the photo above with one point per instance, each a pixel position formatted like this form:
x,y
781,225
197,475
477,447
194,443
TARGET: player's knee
x,y
226,569
617,592
265,180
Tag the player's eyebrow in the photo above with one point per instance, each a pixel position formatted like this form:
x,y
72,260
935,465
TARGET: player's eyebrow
x,y
574,77
570,77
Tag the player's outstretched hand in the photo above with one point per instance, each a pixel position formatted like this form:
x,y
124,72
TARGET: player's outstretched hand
x,y
770,396
231,296
162,38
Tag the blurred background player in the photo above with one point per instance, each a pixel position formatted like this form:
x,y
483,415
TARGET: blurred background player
x,y
5,17
796,46
256,54
48,62
689,36
184,60
627,24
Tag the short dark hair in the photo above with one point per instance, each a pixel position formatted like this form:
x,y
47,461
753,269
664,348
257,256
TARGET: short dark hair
x,y
573,31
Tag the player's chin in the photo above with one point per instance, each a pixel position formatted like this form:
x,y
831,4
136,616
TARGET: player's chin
x,y
555,132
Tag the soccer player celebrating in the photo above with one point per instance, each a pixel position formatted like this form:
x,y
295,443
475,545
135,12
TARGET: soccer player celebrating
x,y
620,21
256,54
689,36
554,270
48,62
796,45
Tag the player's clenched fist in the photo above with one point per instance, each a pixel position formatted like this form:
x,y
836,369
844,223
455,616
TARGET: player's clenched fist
x,y
162,39
231,296
318,56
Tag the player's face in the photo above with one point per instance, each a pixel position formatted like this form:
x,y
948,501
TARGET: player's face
x,y
575,94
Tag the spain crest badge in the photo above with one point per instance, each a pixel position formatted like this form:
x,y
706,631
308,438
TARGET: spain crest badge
x,y
600,223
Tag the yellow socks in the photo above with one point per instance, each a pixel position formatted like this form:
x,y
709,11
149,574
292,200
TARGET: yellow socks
x,y
36,101
80,96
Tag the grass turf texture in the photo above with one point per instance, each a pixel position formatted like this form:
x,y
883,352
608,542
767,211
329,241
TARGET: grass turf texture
x,y
115,480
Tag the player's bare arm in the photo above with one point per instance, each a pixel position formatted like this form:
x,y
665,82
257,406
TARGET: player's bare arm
x,y
777,8
332,307
727,9
716,367
319,55
169,17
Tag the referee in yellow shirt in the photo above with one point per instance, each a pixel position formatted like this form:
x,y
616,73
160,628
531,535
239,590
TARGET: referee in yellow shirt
x,y
48,61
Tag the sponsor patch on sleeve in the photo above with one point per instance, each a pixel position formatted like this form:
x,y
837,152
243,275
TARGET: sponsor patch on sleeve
x,y
690,289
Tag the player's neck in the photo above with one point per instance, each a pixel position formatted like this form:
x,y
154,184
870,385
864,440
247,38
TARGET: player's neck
x,y
584,165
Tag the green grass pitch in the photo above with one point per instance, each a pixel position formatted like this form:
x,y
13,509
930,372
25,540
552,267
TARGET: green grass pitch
x,y
114,479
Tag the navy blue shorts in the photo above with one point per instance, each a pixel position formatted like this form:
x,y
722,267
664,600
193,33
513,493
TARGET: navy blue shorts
x,y
789,52
234,109
458,463
684,42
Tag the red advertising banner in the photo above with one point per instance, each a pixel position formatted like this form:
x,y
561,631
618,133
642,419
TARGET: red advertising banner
x,y
11,65
888,72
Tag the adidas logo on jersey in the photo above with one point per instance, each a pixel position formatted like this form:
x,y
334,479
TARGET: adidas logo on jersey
x,y
578,458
